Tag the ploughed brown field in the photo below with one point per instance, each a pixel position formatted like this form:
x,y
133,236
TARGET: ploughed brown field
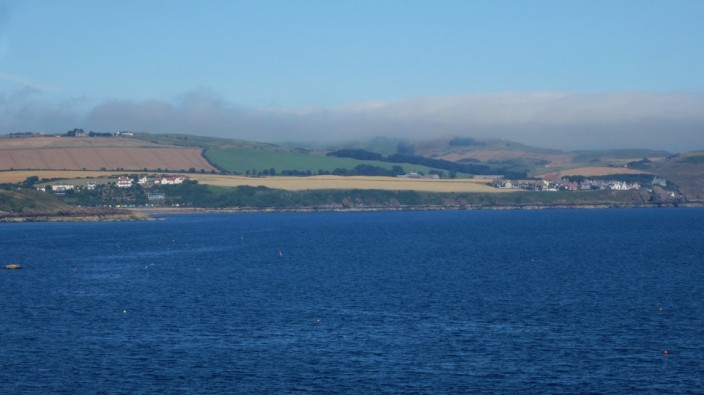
x,y
96,158
72,142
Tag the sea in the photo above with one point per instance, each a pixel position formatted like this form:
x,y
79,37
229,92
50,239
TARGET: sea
x,y
425,302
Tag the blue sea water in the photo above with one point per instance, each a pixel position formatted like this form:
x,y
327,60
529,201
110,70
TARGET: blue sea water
x,y
559,301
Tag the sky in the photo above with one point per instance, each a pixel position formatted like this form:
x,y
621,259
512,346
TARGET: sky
x,y
561,74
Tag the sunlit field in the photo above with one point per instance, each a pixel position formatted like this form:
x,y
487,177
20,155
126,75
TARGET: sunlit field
x,y
337,182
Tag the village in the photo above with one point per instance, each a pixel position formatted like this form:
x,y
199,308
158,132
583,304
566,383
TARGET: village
x,y
553,183
121,182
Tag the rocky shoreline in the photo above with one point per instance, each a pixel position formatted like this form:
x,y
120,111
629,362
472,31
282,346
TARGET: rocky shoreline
x,y
340,208
73,215
146,214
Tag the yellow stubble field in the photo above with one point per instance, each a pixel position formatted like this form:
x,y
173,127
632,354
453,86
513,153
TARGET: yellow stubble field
x,y
21,175
337,182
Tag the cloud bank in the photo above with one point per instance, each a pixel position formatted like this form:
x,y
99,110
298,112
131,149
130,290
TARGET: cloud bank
x,y
672,121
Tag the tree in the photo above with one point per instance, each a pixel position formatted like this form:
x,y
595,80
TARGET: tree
x,y
30,181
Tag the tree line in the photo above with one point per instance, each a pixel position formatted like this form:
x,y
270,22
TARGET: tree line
x,y
451,167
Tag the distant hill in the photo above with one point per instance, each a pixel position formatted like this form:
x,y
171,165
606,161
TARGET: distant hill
x,y
187,140
502,153
685,170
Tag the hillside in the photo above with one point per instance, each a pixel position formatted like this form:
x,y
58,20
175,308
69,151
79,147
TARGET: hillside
x,y
254,161
173,152
183,152
459,157
26,200
501,154
518,157
685,170
28,205
97,153
187,140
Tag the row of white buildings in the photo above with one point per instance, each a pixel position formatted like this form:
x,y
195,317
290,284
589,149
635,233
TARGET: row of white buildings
x,y
122,182
127,182
563,185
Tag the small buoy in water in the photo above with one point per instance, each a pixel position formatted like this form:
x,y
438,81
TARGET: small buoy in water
x,y
666,353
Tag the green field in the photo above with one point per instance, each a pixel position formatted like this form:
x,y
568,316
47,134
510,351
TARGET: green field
x,y
242,160
187,140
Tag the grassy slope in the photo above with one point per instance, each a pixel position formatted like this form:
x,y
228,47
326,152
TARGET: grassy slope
x,y
260,197
381,145
18,201
536,160
240,160
615,157
31,205
187,140
685,170
240,156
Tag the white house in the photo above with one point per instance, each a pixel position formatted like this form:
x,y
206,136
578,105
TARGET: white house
x,y
124,182
170,180
62,187
623,186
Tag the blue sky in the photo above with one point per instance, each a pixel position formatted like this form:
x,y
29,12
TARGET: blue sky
x,y
300,69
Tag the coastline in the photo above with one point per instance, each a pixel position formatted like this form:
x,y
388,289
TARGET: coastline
x,y
81,215
234,210
147,214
